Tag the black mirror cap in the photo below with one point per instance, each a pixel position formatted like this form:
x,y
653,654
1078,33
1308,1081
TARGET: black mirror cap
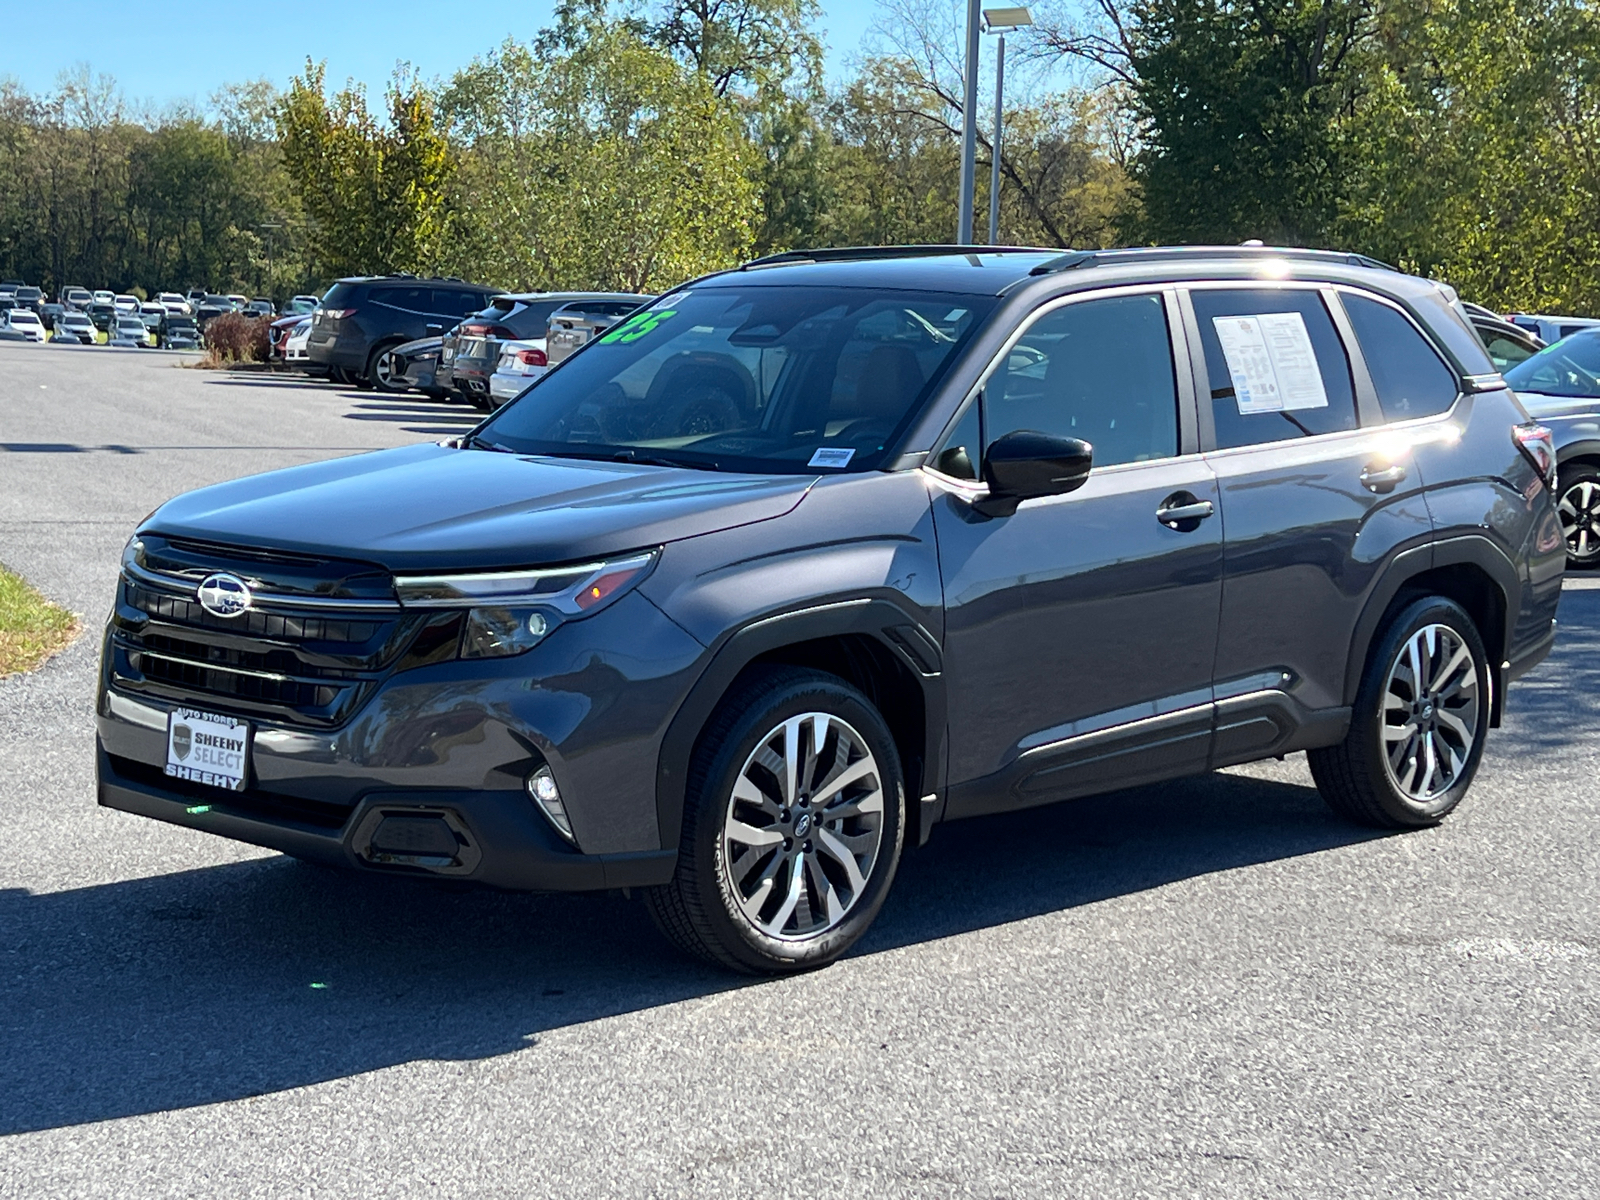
x,y
1028,464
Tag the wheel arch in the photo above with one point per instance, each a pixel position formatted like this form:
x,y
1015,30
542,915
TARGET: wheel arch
x,y
874,645
1472,571
1586,450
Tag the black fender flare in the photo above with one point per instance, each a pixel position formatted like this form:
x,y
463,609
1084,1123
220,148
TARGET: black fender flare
x,y
899,632
1465,549
1585,448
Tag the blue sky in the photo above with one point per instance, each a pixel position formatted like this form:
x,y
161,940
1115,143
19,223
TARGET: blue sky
x,y
174,54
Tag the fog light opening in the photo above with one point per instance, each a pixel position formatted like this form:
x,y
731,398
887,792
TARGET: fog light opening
x,y
542,787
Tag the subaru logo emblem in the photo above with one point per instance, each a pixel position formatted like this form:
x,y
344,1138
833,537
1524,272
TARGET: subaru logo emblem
x,y
224,595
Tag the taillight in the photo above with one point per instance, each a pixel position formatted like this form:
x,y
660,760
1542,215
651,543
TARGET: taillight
x,y
501,332
338,314
533,358
1538,445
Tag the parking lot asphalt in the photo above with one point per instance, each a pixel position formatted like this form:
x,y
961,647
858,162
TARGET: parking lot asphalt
x,y
1208,987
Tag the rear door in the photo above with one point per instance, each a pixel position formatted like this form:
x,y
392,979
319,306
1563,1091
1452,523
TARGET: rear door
x,y
1315,500
1080,631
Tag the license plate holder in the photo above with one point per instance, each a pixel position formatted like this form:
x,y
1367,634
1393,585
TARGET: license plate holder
x,y
208,748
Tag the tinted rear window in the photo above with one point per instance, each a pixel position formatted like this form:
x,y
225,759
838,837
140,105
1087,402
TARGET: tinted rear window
x,y
342,295
1410,377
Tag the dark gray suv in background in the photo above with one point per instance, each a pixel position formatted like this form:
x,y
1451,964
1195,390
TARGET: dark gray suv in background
x,y
808,557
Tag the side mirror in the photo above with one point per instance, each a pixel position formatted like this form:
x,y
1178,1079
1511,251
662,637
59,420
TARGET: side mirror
x,y
1027,464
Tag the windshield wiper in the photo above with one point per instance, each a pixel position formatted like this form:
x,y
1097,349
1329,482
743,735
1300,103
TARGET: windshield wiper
x,y
474,442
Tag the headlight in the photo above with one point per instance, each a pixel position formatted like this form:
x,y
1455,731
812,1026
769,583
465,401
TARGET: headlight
x,y
510,612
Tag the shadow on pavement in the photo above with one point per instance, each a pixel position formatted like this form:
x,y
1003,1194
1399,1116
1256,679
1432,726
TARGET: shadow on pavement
x,y
254,977
1559,703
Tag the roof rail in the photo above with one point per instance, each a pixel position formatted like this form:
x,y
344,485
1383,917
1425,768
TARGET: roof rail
x,y
1099,258
868,253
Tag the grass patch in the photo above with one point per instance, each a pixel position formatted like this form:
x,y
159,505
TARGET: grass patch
x,y
31,628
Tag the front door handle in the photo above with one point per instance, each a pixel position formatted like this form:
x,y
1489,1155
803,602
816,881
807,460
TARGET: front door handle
x,y
1184,512
1382,480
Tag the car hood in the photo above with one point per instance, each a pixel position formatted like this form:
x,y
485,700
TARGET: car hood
x,y
436,508
1542,407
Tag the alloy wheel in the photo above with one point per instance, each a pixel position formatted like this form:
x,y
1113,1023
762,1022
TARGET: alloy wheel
x,y
1430,713
804,827
1579,509
383,370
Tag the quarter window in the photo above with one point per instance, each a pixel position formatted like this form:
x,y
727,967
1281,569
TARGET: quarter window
x,y
1099,370
1411,380
1276,367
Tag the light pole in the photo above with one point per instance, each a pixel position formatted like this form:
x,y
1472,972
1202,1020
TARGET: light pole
x,y
969,127
1001,21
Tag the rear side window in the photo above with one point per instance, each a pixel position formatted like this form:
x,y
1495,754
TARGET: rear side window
x,y
453,302
1276,366
412,299
1099,370
1410,377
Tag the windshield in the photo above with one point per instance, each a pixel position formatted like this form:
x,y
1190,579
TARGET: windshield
x,y
1570,368
766,379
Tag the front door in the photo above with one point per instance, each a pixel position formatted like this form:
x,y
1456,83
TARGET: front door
x,y
1080,631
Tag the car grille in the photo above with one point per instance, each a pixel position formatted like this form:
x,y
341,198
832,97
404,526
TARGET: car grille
x,y
287,659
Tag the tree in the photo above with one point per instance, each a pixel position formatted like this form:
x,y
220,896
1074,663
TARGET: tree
x,y
609,164
1238,101
376,193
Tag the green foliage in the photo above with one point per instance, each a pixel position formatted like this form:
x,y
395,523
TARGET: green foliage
x,y
609,165
88,195
375,192
1239,98
1475,149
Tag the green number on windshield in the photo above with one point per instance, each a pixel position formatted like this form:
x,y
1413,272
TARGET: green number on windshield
x,y
635,327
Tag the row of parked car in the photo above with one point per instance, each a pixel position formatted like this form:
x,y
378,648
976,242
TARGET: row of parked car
x,y
446,338
174,320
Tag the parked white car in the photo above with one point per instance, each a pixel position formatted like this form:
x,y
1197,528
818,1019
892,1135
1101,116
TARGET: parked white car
x,y
1550,329
102,297
174,304
26,321
520,363
294,348
126,304
130,330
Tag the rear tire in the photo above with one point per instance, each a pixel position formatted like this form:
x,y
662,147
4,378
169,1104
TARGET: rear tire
x,y
1412,750
381,372
779,868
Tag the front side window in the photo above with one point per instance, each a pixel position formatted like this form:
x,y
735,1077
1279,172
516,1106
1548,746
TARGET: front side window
x,y
1098,370
760,378
1410,378
1276,366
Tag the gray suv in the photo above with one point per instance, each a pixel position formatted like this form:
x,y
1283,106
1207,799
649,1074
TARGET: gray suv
x,y
809,557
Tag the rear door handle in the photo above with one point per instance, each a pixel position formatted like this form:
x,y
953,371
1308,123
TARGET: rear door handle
x,y
1182,510
1382,479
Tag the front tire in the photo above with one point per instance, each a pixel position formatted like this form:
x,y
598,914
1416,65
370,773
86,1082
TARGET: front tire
x,y
1418,725
1578,507
793,826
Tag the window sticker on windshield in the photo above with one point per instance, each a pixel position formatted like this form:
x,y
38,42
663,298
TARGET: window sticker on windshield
x,y
638,325
830,456
1272,364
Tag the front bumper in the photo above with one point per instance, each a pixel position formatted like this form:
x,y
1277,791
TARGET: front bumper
x,y
454,741
501,841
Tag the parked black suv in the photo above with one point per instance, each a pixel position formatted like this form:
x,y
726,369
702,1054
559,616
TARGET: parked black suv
x,y
363,319
800,561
